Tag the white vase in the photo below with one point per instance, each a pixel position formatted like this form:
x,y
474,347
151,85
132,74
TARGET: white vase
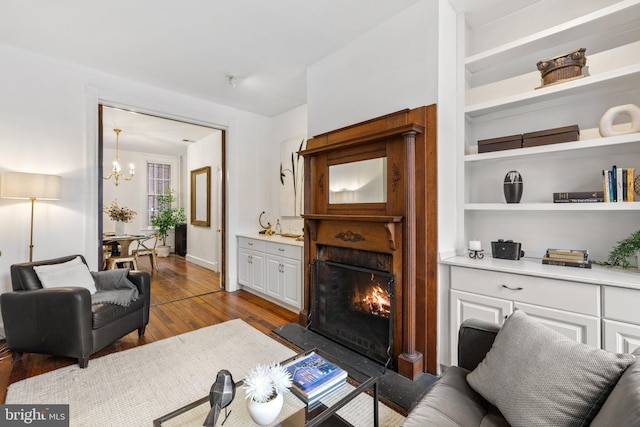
x,y
265,413
119,228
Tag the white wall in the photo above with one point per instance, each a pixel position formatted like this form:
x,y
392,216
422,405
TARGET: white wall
x,y
392,67
202,247
48,124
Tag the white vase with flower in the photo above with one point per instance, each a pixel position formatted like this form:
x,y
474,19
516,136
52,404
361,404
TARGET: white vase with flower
x,y
264,387
119,215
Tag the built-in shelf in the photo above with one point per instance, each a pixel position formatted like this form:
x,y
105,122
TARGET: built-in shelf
x,y
605,144
557,207
629,75
612,17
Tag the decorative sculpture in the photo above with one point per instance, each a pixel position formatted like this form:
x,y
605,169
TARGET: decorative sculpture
x,y
221,395
605,126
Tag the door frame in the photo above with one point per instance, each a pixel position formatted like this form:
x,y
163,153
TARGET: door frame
x,y
223,183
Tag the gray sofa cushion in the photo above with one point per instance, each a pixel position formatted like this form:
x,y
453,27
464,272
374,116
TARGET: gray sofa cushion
x,y
622,408
538,377
451,402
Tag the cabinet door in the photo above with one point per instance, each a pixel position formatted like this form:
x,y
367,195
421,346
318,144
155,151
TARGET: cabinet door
x,y
292,282
257,270
578,327
621,337
274,277
244,267
472,306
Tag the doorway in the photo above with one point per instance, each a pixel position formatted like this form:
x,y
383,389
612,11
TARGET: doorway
x,y
175,148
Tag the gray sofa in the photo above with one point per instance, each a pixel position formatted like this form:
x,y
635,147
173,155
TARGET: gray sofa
x,y
453,402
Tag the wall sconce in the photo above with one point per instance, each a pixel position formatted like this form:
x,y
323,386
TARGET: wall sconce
x,y
32,186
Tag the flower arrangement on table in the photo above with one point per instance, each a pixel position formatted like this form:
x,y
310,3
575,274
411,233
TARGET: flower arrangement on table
x,y
264,388
117,213
264,382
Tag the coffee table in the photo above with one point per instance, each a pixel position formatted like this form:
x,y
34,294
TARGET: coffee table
x,y
295,412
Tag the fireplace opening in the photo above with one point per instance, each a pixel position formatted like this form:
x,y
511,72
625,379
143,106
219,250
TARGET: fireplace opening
x,y
354,307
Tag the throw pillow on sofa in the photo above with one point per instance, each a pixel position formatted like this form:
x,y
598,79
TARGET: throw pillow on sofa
x,y
536,376
66,274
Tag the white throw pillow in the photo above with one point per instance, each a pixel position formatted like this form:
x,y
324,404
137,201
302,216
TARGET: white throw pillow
x,y
66,274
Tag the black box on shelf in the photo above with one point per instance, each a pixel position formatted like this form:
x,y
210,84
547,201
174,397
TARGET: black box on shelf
x,y
551,136
499,144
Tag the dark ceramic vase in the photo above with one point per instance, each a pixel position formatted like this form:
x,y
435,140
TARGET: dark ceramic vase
x,y
513,187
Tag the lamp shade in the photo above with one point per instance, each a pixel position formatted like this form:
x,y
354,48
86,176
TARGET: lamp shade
x,y
19,185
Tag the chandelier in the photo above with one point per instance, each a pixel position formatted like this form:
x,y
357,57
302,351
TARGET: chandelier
x,y
115,172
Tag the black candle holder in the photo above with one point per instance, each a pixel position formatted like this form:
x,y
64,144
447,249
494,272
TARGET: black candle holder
x,y
473,254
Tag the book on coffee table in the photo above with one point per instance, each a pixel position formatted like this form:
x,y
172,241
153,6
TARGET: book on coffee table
x,y
314,376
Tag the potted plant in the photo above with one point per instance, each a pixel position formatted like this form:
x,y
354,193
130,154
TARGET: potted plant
x,y
264,386
165,218
624,251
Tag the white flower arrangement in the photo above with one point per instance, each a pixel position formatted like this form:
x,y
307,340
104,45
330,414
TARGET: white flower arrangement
x,y
264,382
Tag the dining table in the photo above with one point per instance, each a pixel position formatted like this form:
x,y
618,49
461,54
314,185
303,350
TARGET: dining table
x,y
120,244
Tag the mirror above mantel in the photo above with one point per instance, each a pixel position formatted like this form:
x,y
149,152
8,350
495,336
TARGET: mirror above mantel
x,y
363,181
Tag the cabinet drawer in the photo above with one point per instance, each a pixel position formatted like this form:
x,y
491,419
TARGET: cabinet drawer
x,y
253,244
577,297
284,250
622,304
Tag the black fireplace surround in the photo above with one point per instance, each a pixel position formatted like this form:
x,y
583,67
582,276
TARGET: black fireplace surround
x,y
354,306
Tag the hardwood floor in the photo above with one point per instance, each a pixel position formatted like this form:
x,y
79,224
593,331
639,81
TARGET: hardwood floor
x,y
184,297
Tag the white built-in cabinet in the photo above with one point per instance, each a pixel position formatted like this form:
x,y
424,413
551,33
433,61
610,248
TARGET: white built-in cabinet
x,y
597,307
271,267
502,97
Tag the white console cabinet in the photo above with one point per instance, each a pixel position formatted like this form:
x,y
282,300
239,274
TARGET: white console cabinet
x,y
598,306
271,266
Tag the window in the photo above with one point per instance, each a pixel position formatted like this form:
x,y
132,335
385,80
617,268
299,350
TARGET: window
x,y
158,182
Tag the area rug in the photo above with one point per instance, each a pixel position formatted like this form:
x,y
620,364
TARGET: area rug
x,y
136,386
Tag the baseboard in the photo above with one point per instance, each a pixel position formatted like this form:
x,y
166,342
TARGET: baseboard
x,y
202,262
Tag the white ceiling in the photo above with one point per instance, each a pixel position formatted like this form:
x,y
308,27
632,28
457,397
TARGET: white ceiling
x,y
192,46
149,134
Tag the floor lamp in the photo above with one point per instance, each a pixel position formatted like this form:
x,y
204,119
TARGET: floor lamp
x,y
32,186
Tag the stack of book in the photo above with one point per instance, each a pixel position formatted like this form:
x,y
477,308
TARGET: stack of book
x,y
567,257
618,184
314,377
579,197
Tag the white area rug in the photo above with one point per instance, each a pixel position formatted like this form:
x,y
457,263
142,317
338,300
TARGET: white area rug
x,y
136,386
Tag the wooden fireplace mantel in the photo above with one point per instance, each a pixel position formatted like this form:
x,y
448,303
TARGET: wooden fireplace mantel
x,y
404,227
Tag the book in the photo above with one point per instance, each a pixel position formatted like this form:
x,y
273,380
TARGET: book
x,y
566,263
630,184
578,195
619,184
567,254
605,185
313,376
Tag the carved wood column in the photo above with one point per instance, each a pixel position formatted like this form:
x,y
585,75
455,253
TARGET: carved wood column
x,y
410,362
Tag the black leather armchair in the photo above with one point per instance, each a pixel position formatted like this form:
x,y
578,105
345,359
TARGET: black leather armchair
x,y
62,321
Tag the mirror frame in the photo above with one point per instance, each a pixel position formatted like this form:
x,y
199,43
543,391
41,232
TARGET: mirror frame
x,y
206,171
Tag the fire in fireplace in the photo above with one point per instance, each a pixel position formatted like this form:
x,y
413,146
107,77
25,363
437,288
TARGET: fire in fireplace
x,y
354,307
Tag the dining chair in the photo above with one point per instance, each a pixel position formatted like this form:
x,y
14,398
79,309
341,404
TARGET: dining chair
x,y
147,247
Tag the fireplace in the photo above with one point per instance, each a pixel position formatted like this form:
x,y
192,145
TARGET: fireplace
x,y
353,306
370,212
